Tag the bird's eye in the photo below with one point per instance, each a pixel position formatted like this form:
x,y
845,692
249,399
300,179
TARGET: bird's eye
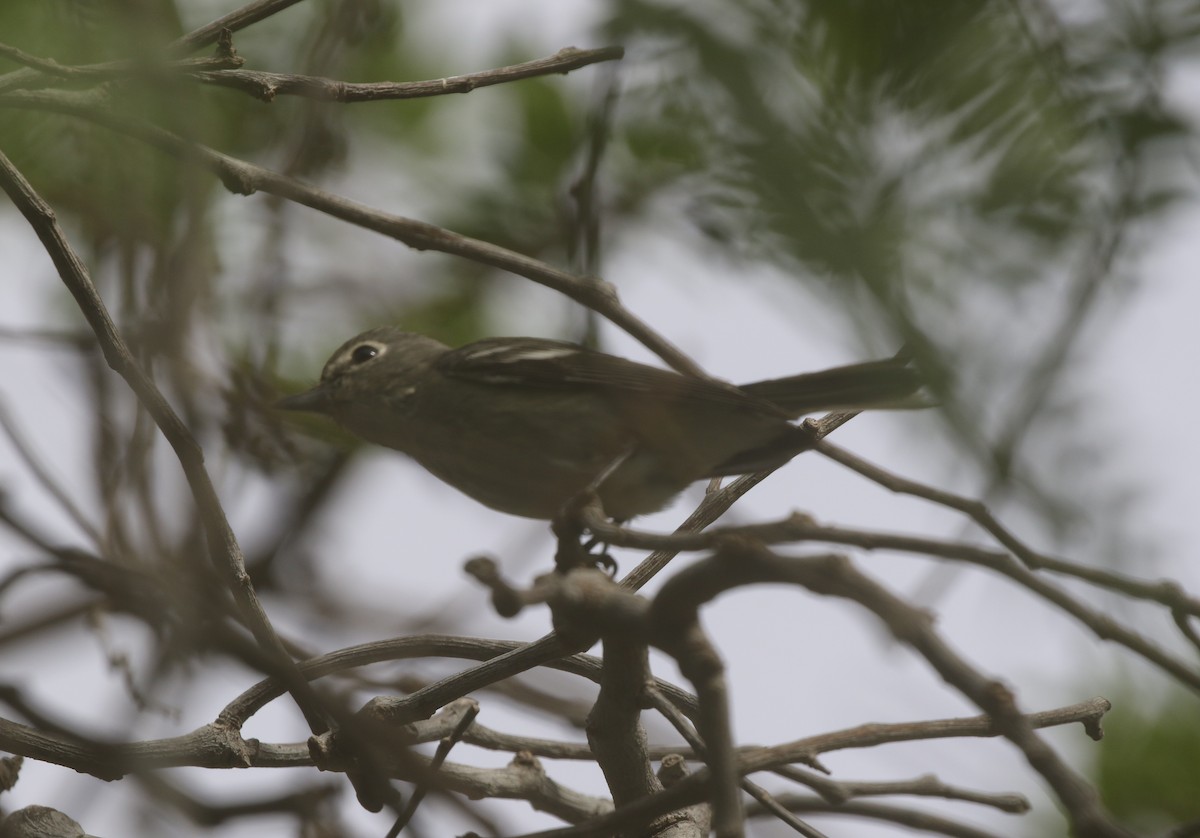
x,y
363,353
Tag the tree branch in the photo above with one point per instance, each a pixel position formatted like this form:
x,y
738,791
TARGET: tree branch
x,y
266,86
244,178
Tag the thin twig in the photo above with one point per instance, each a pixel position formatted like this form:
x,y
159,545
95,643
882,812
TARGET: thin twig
x,y
925,823
249,14
764,798
797,528
224,549
839,791
266,86
42,474
1165,592
43,72
833,575
443,750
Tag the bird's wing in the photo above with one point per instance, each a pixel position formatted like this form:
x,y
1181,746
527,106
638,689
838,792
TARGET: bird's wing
x,y
540,363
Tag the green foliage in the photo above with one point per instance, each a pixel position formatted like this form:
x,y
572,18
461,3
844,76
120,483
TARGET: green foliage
x,y
839,127
519,207
1146,772
454,316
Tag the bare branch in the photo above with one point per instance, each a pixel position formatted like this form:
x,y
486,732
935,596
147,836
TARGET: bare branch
x,y
266,86
247,15
1088,713
587,600
926,822
42,474
244,178
1167,592
614,727
836,576
799,527
45,72
839,791
467,718
717,503
224,549
681,725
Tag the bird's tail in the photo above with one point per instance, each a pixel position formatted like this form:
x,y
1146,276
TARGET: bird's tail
x,y
875,384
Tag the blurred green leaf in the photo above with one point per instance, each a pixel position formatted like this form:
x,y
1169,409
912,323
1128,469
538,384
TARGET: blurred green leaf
x,y
1146,772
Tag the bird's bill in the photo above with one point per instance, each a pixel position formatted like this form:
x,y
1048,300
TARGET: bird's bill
x,y
315,400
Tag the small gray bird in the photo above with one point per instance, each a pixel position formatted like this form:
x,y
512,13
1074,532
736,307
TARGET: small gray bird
x,y
523,425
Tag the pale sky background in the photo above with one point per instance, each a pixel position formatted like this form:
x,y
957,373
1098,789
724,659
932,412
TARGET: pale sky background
x,y
836,668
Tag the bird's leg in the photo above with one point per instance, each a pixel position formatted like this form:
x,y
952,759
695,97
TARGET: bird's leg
x,y
600,558
568,525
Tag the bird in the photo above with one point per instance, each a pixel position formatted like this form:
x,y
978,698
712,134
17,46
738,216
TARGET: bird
x,y
524,425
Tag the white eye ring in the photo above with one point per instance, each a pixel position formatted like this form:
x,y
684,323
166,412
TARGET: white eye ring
x,y
363,352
